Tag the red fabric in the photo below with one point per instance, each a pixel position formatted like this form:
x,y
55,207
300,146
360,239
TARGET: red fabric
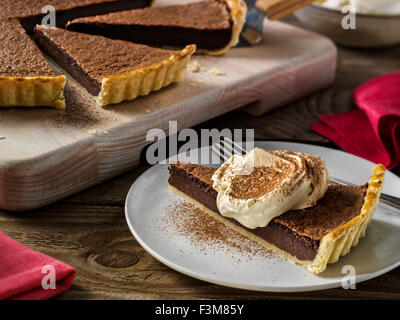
x,y
21,272
372,131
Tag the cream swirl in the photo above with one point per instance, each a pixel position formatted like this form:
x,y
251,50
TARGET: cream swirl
x,y
256,187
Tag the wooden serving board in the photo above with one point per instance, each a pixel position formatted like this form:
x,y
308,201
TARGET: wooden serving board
x,y
49,154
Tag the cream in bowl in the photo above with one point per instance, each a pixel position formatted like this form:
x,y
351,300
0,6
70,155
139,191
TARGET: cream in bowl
x,y
371,7
375,23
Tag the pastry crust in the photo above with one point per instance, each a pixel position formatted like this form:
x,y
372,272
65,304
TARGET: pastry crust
x,y
333,245
32,91
140,82
238,13
339,241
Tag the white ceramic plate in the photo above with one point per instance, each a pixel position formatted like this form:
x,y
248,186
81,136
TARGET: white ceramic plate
x,y
377,253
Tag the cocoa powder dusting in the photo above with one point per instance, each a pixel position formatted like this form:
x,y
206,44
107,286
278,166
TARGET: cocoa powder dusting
x,y
261,181
81,111
185,219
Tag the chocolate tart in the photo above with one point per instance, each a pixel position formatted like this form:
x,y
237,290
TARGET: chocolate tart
x,y
26,78
213,25
311,237
30,12
113,70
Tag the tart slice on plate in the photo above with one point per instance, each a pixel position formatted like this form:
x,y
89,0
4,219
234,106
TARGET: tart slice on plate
x,y
26,78
110,70
311,237
213,25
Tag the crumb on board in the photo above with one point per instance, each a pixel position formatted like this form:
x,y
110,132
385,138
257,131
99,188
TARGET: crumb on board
x,y
216,72
2,137
93,132
148,111
195,66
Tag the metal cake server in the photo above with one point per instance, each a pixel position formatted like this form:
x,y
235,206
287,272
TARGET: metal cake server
x,y
258,10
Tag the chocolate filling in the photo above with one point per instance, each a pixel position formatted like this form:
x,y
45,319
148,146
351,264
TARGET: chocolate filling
x,y
196,188
68,63
207,24
296,232
158,36
20,57
90,59
63,16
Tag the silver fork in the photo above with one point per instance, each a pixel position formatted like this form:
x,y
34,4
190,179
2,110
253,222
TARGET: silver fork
x,y
227,146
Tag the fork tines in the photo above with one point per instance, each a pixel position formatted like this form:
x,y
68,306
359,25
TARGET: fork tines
x,y
227,148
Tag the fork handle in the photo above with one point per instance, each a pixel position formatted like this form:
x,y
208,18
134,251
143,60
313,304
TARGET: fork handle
x,y
390,200
276,9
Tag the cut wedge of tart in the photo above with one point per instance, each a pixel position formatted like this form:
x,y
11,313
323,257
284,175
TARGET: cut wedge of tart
x,y
26,78
213,25
113,70
30,12
311,237
64,9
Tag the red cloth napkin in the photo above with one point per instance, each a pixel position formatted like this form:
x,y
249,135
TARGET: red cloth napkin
x,y
22,272
372,131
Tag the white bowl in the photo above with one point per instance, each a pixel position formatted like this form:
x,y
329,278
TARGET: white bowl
x,y
371,30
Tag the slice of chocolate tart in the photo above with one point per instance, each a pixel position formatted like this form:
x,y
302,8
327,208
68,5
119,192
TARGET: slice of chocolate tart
x,y
26,78
213,25
110,70
311,237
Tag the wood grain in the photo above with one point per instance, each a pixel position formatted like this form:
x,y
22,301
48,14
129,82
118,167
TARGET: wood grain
x,y
88,230
48,155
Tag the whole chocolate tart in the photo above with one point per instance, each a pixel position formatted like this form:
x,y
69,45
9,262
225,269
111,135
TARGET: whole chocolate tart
x,y
311,237
213,25
113,70
26,78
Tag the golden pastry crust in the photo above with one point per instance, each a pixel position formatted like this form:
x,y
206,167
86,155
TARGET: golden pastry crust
x,y
336,243
339,241
140,82
238,13
32,91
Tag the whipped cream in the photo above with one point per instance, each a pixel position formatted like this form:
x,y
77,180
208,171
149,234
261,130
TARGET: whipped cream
x,y
256,187
376,7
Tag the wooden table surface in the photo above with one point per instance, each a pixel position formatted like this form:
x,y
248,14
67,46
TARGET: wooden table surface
x,y
89,232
